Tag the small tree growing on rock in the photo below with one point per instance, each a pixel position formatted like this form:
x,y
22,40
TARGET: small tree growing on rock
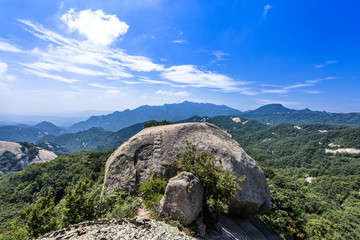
x,y
219,185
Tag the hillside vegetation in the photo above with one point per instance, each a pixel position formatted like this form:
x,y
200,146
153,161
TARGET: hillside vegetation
x,y
315,194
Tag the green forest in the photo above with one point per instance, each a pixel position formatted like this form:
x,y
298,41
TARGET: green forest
x,y
315,194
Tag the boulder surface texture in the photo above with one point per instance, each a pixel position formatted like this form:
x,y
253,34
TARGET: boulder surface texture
x,y
154,149
183,198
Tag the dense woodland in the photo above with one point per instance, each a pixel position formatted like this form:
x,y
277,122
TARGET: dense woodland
x,y
48,196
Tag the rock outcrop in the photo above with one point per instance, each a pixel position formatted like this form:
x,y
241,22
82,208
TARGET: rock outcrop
x,y
16,154
112,229
183,197
153,151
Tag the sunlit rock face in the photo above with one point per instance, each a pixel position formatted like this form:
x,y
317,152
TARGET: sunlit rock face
x,y
153,151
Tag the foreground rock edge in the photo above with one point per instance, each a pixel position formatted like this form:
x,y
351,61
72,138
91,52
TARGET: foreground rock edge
x,y
143,229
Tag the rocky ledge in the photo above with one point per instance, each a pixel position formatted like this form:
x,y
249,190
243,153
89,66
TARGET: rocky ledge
x,y
117,229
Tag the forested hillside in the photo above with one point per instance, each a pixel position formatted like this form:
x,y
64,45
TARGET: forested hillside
x,y
92,139
315,192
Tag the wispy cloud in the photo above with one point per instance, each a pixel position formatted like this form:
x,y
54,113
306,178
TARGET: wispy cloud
x,y
274,91
313,92
189,75
325,64
267,8
3,68
299,85
50,76
7,47
179,41
61,67
98,85
4,86
70,55
219,55
286,89
172,94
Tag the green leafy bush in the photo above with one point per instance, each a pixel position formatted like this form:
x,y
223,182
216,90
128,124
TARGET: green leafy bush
x,y
152,191
219,185
120,204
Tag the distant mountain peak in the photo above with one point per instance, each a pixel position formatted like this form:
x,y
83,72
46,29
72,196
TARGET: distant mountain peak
x,y
272,108
46,125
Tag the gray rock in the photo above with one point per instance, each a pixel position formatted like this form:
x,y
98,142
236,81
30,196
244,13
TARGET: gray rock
x,y
21,153
153,150
183,197
115,229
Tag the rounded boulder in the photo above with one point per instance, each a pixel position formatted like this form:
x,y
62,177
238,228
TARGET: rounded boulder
x,y
154,150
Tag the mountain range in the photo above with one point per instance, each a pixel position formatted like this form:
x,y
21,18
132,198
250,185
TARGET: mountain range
x,y
171,112
271,114
276,113
29,133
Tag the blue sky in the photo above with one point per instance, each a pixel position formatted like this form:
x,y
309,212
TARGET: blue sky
x,y
67,56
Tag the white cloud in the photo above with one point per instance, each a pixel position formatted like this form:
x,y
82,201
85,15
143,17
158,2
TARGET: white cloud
x,y
325,64
69,55
299,85
140,64
285,89
7,47
3,68
97,26
3,86
61,66
98,85
274,91
50,76
312,92
189,75
4,78
47,35
180,41
220,55
170,93
267,7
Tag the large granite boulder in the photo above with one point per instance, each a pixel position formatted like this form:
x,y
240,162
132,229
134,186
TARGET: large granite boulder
x,y
153,151
183,197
